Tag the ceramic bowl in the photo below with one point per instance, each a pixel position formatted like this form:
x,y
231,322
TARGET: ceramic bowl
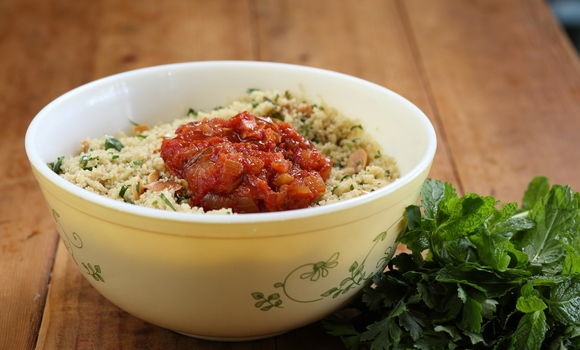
x,y
227,277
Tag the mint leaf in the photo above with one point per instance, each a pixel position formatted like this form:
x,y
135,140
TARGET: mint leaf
x,y
531,331
529,300
432,193
556,216
564,301
494,250
537,189
571,264
458,218
508,220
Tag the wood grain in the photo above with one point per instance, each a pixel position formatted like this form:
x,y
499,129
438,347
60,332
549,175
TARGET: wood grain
x,y
509,100
366,38
498,78
147,33
42,55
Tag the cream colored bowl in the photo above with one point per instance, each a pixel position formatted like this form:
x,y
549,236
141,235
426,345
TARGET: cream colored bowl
x,y
226,277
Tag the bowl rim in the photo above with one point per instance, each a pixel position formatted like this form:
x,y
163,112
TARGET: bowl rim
x,y
231,219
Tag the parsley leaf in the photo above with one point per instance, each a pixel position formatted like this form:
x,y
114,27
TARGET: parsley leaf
x,y
88,162
191,111
111,142
56,166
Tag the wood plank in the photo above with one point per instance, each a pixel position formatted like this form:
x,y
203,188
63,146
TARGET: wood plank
x,y
133,35
147,33
502,79
43,53
366,38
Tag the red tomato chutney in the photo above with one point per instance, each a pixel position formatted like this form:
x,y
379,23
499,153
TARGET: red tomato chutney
x,y
246,163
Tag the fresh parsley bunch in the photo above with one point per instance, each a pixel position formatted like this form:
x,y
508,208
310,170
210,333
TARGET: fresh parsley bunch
x,y
480,275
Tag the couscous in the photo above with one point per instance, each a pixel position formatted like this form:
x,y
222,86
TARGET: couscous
x,y
129,167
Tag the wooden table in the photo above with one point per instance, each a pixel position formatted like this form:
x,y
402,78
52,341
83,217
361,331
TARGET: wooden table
x,y
497,77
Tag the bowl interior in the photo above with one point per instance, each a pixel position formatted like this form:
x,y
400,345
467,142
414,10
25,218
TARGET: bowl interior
x,y
162,93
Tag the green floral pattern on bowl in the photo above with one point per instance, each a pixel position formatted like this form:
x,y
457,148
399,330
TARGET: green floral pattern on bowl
x,y
74,242
358,275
